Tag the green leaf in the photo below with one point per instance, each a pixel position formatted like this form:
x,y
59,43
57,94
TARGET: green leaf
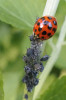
x,y
11,83
50,79
1,88
21,13
57,91
20,92
60,14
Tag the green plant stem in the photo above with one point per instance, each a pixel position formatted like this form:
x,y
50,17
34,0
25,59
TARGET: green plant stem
x,y
51,7
51,61
64,43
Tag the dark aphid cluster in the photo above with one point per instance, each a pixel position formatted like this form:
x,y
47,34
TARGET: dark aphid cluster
x,y
33,63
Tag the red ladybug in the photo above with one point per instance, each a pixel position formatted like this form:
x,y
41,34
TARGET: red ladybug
x,y
45,27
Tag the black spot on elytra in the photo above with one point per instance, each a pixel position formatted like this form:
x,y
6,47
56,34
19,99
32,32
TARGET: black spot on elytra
x,y
39,29
38,35
55,23
35,30
49,34
50,18
43,18
42,37
54,29
45,22
38,23
44,33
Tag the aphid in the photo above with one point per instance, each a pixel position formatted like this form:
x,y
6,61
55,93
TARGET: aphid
x,y
35,73
29,87
25,59
41,67
30,74
30,52
37,66
24,80
45,27
36,81
44,58
26,96
32,38
27,69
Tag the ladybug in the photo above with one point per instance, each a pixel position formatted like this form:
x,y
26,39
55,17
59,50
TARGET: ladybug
x,y
45,27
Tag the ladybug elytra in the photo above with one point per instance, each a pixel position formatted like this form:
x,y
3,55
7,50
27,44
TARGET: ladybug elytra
x,y
45,27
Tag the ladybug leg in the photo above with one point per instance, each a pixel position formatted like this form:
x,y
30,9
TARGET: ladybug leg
x,y
37,19
44,58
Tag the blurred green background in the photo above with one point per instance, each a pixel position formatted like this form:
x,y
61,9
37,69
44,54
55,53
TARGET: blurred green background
x,y
15,41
